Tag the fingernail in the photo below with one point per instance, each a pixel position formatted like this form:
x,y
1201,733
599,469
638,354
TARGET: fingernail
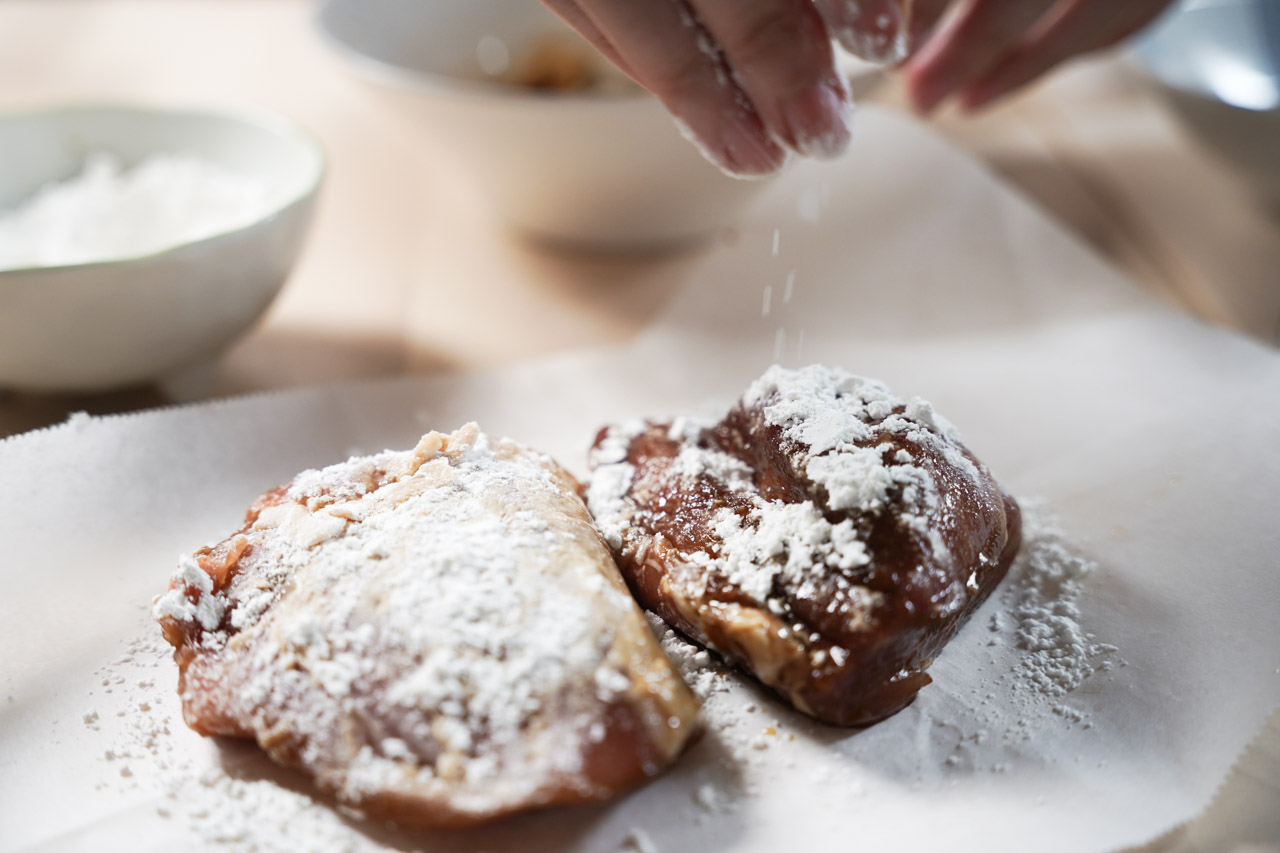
x,y
976,96
747,149
818,121
926,95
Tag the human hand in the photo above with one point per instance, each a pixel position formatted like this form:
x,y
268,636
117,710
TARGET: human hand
x,y
985,49
749,80
746,79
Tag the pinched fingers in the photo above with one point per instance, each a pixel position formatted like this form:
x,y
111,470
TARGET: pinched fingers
x,y
663,46
1075,27
970,44
779,52
744,77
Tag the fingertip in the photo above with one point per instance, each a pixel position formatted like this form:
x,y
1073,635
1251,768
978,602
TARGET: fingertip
x,y
747,150
742,150
924,92
819,120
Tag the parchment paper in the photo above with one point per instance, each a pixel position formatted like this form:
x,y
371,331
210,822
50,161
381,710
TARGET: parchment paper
x,y
1151,437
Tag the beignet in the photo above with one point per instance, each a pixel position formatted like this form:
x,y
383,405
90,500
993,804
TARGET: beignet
x,y
826,535
437,637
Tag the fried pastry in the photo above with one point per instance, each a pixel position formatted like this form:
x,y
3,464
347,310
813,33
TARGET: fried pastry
x,y
437,637
826,535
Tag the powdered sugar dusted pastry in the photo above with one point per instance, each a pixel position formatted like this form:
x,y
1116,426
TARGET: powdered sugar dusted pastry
x,y
827,536
437,636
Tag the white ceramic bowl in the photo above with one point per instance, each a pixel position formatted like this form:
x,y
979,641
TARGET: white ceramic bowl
x,y
1219,65
162,317
605,171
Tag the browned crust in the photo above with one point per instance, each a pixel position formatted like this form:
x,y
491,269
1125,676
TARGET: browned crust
x,y
888,656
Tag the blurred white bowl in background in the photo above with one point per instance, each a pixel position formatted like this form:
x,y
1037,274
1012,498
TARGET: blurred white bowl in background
x,y
1218,62
593,169
161,317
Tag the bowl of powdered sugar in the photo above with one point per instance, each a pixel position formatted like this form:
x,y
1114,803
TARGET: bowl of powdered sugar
x,y
136,243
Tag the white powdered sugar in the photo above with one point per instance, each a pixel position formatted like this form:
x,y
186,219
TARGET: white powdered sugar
x,y
698,667
174,604
1040,668
696,462
841,432
607,491
786,542
1042,599
107,212
830,414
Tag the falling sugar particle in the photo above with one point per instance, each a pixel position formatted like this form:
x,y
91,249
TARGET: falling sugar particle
x,y
809,206
800,346
790,286
493,56
768,301
777,237
638,841
706,797
779,341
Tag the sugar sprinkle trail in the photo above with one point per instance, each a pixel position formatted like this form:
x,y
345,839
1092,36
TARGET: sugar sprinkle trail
x,y
768,301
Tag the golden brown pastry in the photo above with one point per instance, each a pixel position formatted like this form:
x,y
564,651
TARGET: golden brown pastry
x,y
826,536
436,636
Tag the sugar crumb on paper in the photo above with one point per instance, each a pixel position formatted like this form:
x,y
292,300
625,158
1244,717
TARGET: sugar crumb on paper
x,y
1040,609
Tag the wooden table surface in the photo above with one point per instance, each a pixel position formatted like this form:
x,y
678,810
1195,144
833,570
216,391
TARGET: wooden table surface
x,y
404,272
